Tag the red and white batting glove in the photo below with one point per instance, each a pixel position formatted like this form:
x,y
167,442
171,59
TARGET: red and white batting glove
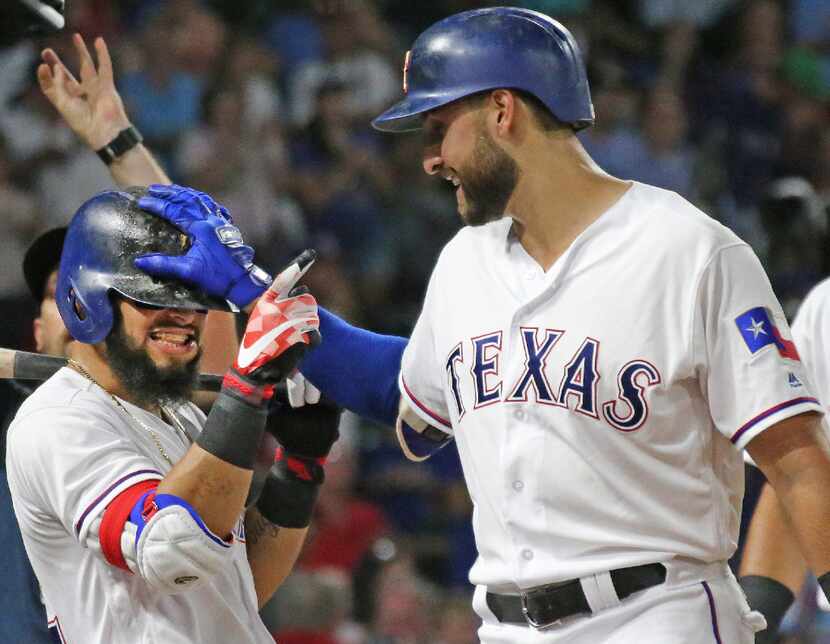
x,y
282,326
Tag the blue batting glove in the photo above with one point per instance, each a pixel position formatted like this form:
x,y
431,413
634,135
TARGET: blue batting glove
x,y
183,203
218,261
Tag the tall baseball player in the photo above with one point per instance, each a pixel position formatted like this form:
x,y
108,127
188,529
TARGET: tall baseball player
x,y
600,350
131,503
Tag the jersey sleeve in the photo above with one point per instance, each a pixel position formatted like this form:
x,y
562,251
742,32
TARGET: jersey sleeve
x,y
421,377
811,334
71,462
749,367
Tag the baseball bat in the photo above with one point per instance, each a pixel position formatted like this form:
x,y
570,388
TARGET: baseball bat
x,y
25,365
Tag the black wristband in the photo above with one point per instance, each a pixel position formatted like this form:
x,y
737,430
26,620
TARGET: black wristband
x,y
126,140
233,431
287,499
771,598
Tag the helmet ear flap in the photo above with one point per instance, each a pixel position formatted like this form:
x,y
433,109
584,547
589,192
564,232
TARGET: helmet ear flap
x,y
88,316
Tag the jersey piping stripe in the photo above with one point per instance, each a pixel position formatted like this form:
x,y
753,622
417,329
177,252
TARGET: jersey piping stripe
x,y
712,612
54,625
769,412
423,407
103,494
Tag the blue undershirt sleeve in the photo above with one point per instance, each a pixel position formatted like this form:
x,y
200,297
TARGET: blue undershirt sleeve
x,y
357,369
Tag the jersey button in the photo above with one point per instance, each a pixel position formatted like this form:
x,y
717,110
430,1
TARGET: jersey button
x,y
520,414
518,485
527,554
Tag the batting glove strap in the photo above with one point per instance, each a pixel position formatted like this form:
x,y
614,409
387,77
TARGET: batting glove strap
x,y
291,490
246,390
233,429
769,597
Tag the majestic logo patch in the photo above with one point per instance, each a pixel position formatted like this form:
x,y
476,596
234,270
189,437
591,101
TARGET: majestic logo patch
x,y
758,331
794,381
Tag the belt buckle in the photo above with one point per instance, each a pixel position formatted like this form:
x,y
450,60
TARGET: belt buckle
x,y
532,622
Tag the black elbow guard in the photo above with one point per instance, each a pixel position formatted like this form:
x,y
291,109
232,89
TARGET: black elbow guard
x,y
771,598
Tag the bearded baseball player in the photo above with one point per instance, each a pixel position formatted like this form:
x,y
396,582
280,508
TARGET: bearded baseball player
x,y
600,350
131,503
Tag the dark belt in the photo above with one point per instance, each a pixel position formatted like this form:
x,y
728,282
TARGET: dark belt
x,y
546,605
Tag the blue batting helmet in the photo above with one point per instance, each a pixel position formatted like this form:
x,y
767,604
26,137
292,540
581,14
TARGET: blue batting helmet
x,y
103,239
484,49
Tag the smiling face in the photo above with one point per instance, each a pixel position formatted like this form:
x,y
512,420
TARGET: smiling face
x,y
458,146
155,352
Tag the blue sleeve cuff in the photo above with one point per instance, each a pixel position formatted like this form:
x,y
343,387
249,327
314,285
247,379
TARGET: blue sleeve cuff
x,y
357,369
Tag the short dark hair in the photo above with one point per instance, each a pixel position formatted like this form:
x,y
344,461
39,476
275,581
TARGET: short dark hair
x,y
544,117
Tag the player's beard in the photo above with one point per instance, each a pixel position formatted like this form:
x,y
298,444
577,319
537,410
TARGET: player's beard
x,y
148,383
488,181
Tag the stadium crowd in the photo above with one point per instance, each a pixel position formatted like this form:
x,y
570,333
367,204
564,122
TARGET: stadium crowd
x,y
266,106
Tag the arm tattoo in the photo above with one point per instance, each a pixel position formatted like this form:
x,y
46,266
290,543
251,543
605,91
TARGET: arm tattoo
x,y
257,527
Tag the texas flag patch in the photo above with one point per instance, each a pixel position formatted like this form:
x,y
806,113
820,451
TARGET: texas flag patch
x,y
758,331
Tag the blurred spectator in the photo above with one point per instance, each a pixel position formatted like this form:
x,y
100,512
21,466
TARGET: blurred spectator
x,y
339,176
295,37
796,227
312,608
748,101
255,70
45,156
661,154
252,177
161,95
422,219
21,223
344,526
660,13
456,623
352,34
612,141
810,21
404,605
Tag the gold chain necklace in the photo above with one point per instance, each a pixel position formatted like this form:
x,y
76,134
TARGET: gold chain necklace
x,y
153,434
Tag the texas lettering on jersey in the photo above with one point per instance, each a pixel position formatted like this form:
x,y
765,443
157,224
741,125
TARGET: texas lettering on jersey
x,y
574,388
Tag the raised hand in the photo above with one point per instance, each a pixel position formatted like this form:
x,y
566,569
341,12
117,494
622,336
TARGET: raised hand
x,y
91,106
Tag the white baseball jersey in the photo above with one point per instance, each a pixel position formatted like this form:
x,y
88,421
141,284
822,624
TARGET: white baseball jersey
x,y
600,407
71,451
811,333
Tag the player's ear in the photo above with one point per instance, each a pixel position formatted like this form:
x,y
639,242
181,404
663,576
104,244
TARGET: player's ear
x,y
37,332
503,103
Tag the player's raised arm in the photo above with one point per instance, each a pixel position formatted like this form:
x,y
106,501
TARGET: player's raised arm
x,y
91,105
